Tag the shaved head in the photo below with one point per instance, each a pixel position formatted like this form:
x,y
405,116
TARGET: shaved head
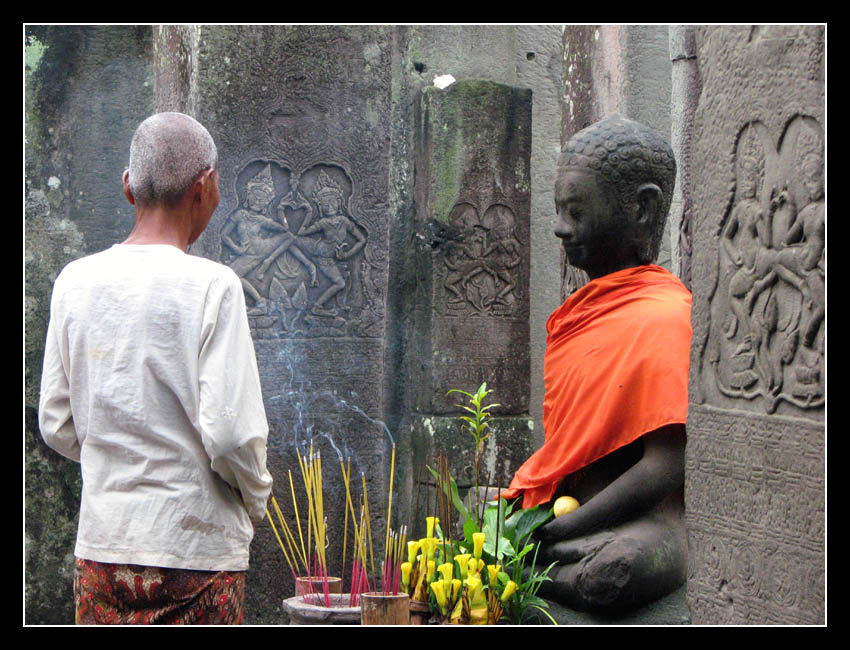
x,y
167,153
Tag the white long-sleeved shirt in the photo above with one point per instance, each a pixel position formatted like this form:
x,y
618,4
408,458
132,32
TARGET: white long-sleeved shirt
x,y
150,382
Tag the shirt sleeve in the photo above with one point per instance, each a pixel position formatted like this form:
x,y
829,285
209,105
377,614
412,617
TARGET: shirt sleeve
x,y
232,417
54,409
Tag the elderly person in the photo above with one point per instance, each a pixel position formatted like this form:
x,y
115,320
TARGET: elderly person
x,y
616,380
150,382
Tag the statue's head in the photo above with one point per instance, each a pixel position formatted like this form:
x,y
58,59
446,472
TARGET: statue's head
x,y
328,195
613,192
810,155
259,191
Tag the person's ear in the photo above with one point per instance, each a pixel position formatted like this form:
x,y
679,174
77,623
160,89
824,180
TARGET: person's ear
x,y
125,181
201,186
207,179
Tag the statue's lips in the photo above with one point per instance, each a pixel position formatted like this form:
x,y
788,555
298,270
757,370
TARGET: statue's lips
x,y
571,247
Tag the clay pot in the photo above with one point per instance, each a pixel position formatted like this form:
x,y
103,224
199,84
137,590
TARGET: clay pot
x,y
303,585
384,609
307,613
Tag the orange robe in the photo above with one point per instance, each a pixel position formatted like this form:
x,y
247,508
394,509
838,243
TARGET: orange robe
x,y
615,368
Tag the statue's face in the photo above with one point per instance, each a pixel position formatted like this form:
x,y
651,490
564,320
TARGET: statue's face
x,y
813,177
259,197
592,231
329,204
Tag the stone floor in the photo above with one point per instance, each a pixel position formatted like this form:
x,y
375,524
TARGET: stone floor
x,y
670,610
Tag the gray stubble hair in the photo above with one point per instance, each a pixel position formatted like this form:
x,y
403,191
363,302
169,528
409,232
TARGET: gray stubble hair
x,y
167,153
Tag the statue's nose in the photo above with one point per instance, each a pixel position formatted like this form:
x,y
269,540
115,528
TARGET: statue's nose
x,y
564,230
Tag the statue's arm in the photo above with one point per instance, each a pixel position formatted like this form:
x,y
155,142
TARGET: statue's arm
x,y
795,232
728,235
271,224
360,243
642,487
226,238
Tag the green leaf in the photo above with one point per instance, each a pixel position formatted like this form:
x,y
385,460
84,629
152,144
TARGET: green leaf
x,y
506,549
469,526
547,614
451,491
529,520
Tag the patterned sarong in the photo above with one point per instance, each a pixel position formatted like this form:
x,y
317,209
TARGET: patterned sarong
x,y
128,594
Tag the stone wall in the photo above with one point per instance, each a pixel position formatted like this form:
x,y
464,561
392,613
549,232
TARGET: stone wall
x,y
323,118
332,120
755,458
87,89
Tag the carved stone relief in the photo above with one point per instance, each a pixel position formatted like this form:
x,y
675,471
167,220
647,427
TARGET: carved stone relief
x,y
482,266
299,251
755,517
766,337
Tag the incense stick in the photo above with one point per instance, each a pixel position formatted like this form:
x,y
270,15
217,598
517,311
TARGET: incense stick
x,y
368,523
298,518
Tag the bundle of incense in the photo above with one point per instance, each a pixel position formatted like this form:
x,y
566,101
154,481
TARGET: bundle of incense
x,y
368,524
359,577
279,540
393,558
315,498
390,501
286,539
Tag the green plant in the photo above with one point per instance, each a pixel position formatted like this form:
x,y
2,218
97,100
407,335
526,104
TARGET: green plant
x,y
507,544
510,545
476,425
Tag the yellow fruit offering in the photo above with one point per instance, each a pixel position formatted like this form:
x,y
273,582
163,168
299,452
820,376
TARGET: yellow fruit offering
x,y
565,505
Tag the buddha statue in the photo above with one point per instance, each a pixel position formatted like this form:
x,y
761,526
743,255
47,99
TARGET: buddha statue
x,y
616,381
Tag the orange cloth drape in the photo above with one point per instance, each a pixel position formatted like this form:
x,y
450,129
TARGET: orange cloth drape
x,y
615,368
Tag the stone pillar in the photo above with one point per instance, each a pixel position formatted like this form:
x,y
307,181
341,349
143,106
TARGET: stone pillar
x,y
301,116
686,87
755,456
539,64
472,281
86,90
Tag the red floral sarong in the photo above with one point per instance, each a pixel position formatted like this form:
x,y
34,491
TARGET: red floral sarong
x,y
128,594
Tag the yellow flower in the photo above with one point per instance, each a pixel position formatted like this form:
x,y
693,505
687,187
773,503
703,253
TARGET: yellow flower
x,y
473,566
462,560
475,592
478,544
474,585
457,585
429,573
412,550
431,522
406,568
446,570
493,570
428,545
440,592
510,588
457,612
